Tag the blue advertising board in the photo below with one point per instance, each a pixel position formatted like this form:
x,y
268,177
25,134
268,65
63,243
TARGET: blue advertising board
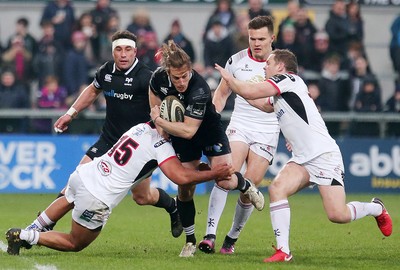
x,y
371,165
42,164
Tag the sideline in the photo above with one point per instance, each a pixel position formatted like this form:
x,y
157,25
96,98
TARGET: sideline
x,y
3,247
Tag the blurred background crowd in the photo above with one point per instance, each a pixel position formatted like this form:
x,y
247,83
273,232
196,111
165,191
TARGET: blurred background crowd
x,y
47,70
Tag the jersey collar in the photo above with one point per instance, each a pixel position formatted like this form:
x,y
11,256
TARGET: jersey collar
x,y
251,56
129,70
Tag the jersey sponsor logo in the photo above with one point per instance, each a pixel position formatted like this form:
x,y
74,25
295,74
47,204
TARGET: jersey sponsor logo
x,y
128,81
164,90
266,150
246,68
201,91
231,131
279,114
291,77
161,142
108,78
120,96
230,61
87,215
256,79
322,176
278,78
104,167
139,131
217,148
198,109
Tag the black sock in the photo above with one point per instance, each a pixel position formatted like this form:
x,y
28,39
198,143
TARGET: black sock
x,y
187,212
210,236
165,201
230,240
191,238
243,184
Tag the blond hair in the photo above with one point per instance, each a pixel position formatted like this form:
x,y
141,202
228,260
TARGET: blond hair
x,y
171,55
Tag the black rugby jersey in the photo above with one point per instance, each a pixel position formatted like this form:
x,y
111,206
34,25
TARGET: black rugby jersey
x,y
196,99
127,97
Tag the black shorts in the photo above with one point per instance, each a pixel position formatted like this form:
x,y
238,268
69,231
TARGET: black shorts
x,y
98,148
214,144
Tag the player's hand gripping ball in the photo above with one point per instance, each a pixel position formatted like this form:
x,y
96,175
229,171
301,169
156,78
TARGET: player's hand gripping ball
x,y
172,109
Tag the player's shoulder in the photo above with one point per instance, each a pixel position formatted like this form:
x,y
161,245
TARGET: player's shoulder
x,y
104,74
159,81
141,129
237,57
160,71
107,67
198,83
142,68
285,78
160,74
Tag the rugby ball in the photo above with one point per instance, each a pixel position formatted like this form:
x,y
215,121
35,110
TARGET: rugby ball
x,y
172,109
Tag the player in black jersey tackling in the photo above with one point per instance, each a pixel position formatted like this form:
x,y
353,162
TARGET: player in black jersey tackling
x,y
200,133
124,83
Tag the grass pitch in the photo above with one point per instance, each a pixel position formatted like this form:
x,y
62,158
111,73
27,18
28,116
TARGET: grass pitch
x,y
138,237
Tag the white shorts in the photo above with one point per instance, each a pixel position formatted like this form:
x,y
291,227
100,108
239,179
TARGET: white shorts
x,y
326,169
262,143
88,211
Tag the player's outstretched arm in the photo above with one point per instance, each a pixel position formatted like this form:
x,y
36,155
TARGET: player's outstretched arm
x,y
85,99
247,90
221,95
262,104
180,175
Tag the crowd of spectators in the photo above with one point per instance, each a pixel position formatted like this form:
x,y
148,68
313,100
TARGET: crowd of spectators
x,y
49,72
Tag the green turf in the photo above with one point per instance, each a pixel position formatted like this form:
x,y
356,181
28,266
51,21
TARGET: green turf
x,y
138,237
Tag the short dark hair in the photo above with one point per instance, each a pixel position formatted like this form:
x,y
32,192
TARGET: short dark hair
x,y
287,58
262,21
123,34
24,21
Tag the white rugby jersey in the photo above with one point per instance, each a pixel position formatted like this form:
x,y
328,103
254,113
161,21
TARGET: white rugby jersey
x,y
244,116
133,158
299,119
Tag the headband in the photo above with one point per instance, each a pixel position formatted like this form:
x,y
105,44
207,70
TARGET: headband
x,y
123,41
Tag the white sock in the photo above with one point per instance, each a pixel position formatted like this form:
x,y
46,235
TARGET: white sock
x,y
216,205
30,236
361,209
280,219
41,221
242,214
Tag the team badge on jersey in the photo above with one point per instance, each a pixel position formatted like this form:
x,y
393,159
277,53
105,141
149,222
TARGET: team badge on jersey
x,y
104,167
108,78
128,81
